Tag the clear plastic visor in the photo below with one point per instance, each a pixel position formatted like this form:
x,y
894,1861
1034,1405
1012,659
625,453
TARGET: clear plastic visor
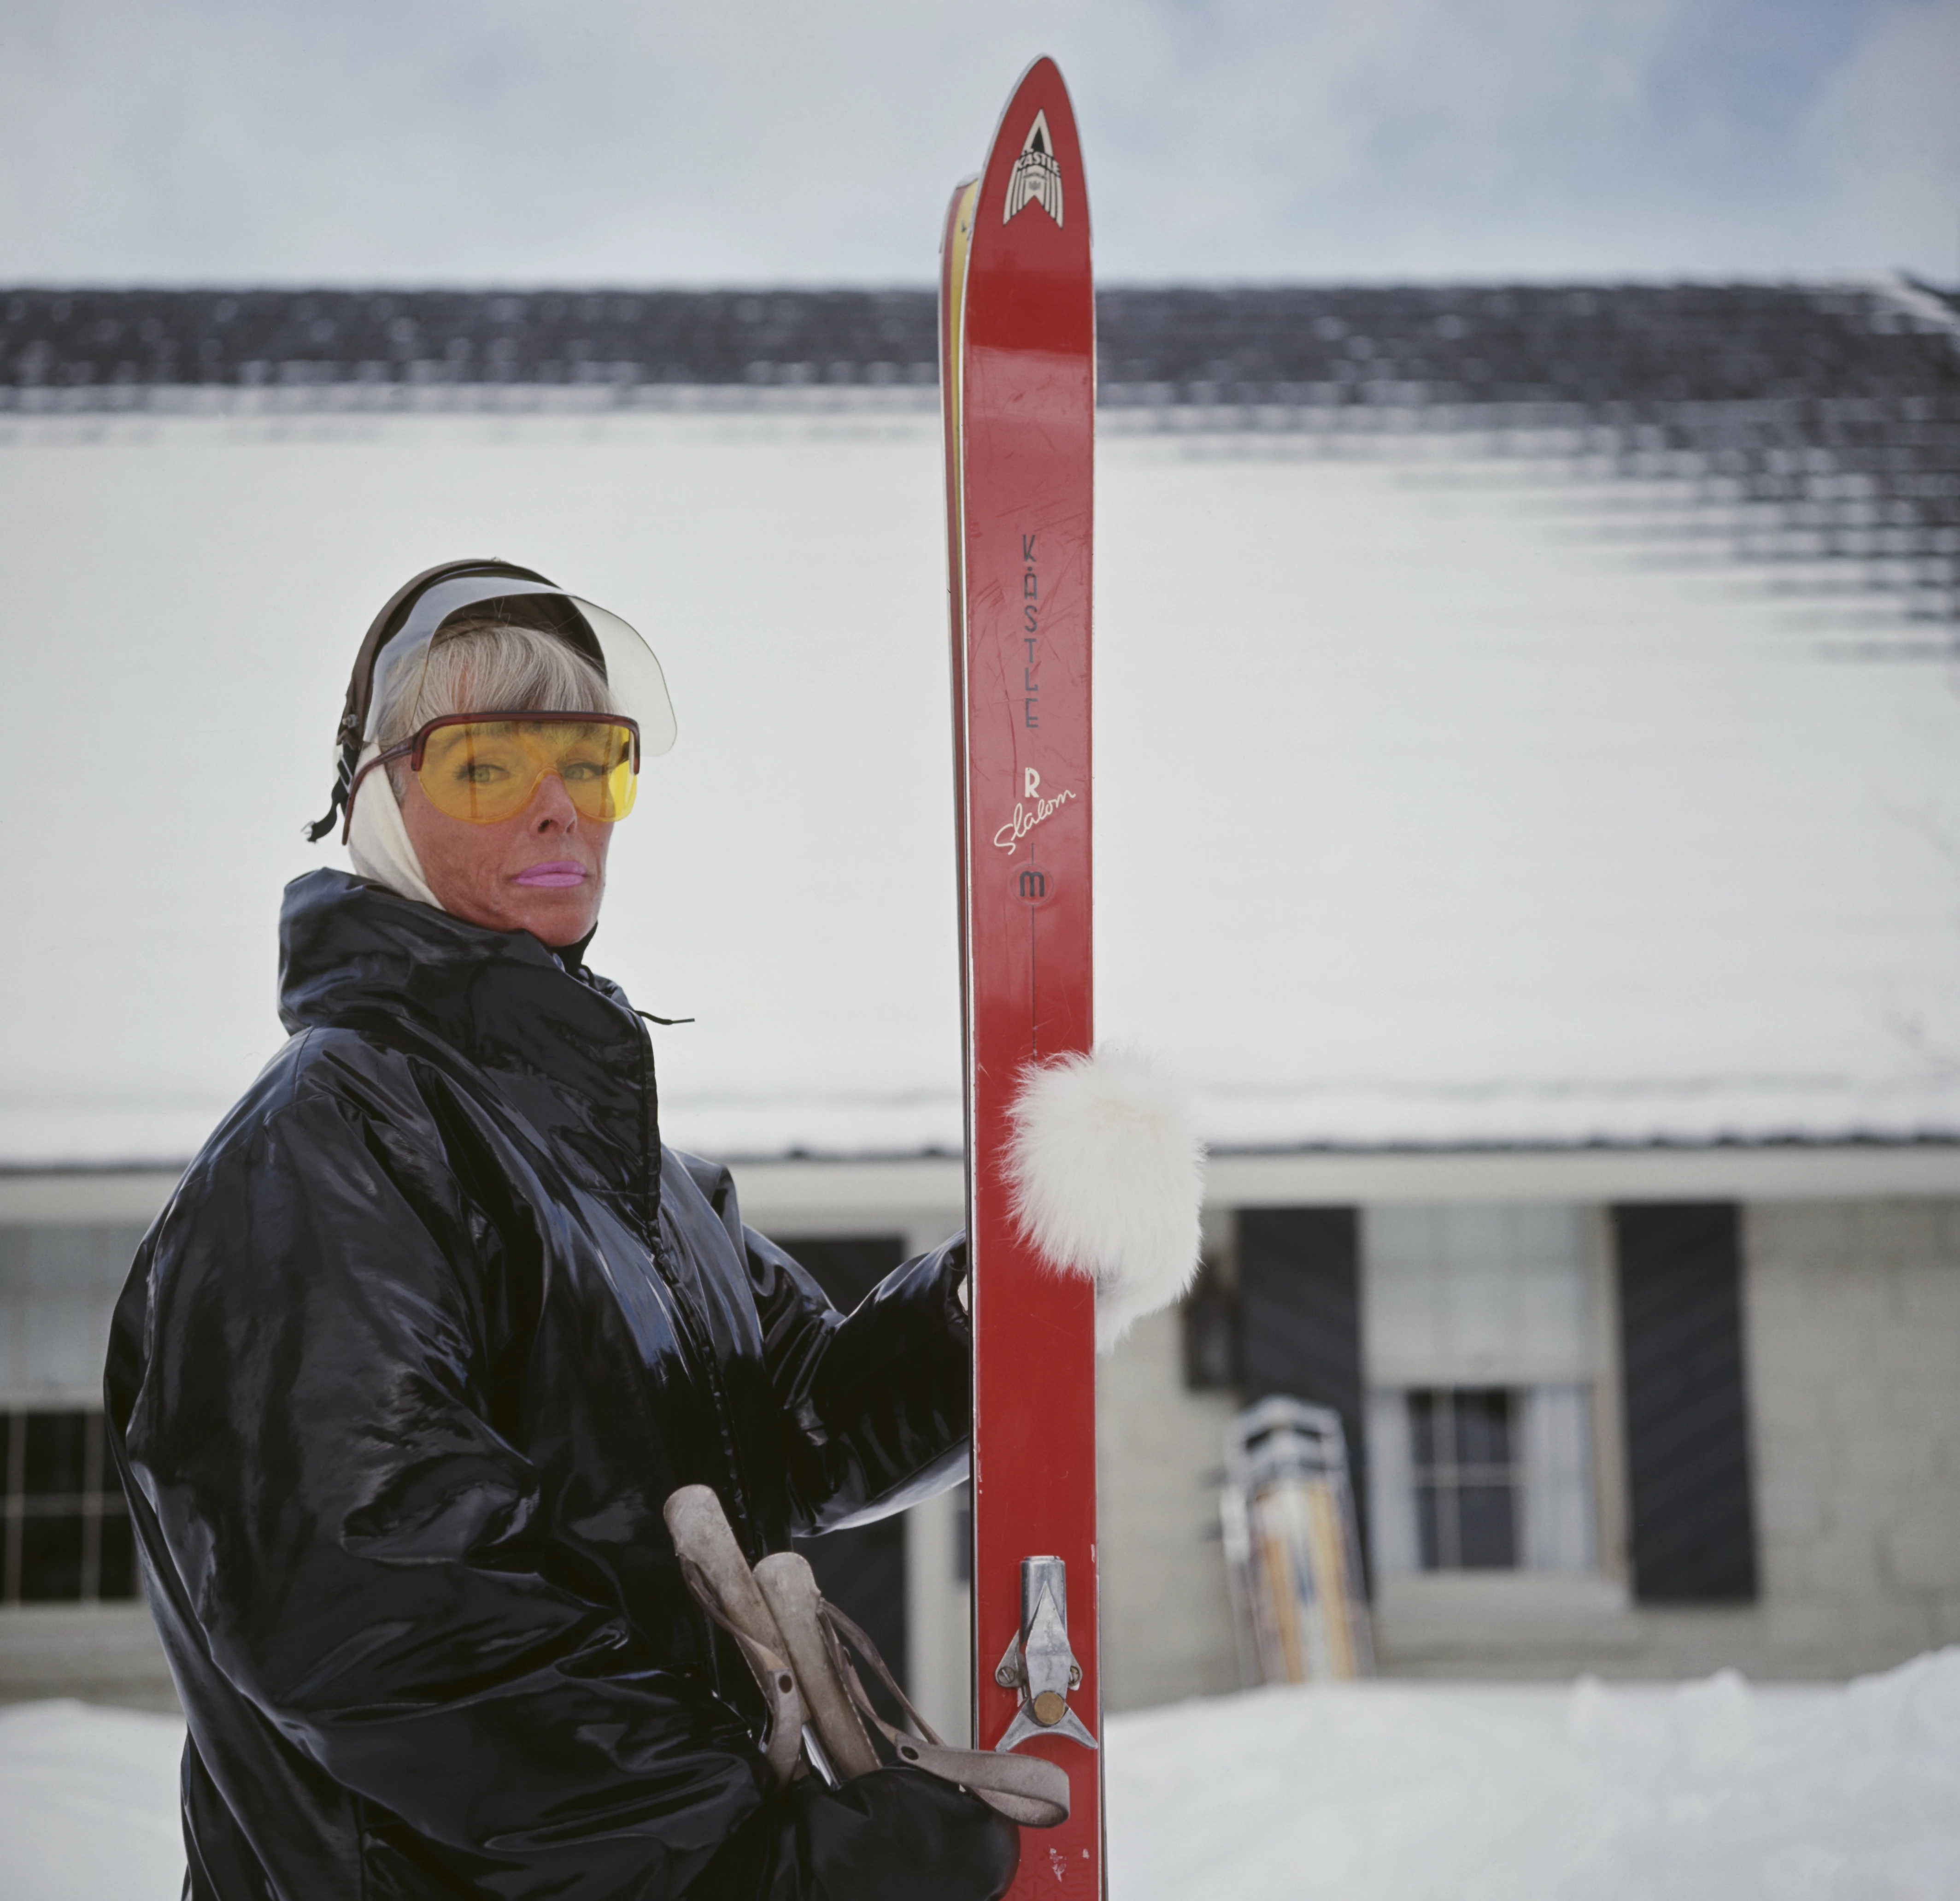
x,y
633,675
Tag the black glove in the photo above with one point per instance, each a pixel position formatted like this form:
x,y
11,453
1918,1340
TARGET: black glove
x,y
895,1835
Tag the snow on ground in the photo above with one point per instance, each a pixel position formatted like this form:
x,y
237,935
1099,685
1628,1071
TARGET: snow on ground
x,y
88,1808
1718,1790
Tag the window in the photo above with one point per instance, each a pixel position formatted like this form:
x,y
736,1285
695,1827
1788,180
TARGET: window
x,y
1483,1479
1465,1483
1481,1350
67,1533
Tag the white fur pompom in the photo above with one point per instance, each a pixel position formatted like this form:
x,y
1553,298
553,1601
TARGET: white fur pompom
x,y
1107,1176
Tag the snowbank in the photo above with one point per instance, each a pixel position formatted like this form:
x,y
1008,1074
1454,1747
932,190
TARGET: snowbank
x,y
1397,1792
1718,1790
88,1804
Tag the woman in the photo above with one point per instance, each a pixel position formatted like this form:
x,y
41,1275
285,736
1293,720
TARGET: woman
x,y
434,1325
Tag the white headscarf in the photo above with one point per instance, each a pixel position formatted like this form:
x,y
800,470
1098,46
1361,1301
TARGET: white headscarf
x,y
378,842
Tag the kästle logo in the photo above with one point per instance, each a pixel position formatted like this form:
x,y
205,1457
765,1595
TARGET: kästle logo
x,y
1036,178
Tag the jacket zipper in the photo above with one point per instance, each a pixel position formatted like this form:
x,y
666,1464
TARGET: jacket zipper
x,y
694,1330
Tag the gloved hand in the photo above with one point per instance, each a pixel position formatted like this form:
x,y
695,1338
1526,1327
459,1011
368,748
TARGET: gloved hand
x,y
1109,1178
895,1835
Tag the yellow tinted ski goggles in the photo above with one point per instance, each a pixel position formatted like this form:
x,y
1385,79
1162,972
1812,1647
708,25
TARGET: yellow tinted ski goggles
x,y
487,767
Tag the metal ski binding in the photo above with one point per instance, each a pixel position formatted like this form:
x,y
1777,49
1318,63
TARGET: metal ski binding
x,y
1038,1661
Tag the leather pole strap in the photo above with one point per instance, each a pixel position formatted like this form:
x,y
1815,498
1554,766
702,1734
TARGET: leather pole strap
x,y
777,1612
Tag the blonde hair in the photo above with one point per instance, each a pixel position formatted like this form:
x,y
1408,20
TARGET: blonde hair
x,y
491,667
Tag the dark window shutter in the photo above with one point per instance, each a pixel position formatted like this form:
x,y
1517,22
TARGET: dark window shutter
x,y
1299,1318
1687,1409
861,1570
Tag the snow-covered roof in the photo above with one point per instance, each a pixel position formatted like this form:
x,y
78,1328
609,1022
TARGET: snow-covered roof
x,y
1482,759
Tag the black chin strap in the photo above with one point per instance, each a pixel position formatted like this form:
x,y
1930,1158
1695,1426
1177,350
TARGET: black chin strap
x,y
343,781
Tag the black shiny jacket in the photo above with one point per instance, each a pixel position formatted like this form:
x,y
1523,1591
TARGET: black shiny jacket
x,y
399,1383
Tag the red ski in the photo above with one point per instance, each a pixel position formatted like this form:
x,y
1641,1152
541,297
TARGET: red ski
x,y
1018,375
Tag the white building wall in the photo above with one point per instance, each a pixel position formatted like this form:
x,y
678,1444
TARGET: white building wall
x,y
1851,1342
1852,1345
1852,1333
1166,1619
99,1653
58,1285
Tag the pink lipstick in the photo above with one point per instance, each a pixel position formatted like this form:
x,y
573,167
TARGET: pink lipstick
x,y
554,875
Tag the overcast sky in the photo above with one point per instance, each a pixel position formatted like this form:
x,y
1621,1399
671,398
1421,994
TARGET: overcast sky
x,y
755,140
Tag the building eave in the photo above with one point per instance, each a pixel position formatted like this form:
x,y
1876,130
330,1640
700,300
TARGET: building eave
x,y
842,1193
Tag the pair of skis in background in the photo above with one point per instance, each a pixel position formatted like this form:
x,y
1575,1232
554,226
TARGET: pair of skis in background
x,y
1017,338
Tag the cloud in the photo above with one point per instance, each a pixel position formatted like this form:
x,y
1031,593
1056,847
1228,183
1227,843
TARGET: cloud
x,y
756,140
1887,124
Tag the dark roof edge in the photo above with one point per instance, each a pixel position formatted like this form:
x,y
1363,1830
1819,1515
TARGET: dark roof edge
x,y
1796,281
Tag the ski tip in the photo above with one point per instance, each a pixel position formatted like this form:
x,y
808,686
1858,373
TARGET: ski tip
x,y
1042,75
1035,156
1040,62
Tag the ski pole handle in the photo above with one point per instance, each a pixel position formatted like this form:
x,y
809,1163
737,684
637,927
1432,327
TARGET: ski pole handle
x,y
719,1576
789,1584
